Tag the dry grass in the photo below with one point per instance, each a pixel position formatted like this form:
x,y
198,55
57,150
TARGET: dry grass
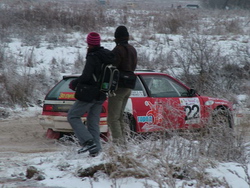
x,y
179,156
172,156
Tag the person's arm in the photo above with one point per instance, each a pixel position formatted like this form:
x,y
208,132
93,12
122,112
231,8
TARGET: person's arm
x,y
87,73
118,57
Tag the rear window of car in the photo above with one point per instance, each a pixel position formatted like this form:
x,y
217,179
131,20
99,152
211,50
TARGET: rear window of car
x,y
61,91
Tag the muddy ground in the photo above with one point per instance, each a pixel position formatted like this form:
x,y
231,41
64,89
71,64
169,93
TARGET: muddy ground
x,y
20,140
24,135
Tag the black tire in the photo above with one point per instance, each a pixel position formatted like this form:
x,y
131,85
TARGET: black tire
x,y
130,121
220,124
222,117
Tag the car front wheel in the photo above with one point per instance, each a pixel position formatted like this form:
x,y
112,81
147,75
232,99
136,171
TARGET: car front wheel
x,y
222,118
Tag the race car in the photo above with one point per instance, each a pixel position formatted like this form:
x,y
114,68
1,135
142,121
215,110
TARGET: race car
x,y
158,102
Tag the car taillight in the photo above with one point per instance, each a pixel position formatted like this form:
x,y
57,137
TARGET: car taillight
x,y
48,107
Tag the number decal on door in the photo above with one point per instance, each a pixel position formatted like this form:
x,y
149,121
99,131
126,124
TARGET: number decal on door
x,y
192,109
192,112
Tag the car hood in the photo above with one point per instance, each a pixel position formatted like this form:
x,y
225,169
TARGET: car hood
x,y
214,102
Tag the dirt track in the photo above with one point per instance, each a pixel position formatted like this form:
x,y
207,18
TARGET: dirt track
x,y
24,135
21,139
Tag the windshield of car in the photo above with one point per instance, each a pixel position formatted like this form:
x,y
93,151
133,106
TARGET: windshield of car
x,y
61,91
163,86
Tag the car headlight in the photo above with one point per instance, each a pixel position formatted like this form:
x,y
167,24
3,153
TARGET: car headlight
x,y
208,103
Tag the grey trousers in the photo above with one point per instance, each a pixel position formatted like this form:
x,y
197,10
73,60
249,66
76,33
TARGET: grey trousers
x,y
92,129
116,107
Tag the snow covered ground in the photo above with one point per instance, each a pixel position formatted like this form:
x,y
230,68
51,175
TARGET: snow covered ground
x,y
62,167
60,170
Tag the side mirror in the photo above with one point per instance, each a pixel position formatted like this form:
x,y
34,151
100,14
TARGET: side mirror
x,y
192,92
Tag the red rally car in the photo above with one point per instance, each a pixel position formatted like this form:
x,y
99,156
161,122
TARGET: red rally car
x,y
157,103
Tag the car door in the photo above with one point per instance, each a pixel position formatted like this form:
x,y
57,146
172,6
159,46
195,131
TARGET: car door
x,y
168,105
136,105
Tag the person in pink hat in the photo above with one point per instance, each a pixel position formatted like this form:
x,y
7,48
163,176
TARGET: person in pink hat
x,y
89,136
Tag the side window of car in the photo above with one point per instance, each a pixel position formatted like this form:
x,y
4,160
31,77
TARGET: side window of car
x,y
162,86
139,90
182,90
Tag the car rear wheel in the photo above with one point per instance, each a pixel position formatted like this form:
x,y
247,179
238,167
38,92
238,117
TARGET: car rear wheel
x,y
130,129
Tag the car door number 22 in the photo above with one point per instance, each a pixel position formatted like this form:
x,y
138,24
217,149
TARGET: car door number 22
x,y
192,112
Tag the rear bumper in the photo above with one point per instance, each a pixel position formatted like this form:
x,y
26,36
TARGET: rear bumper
x,y
60,123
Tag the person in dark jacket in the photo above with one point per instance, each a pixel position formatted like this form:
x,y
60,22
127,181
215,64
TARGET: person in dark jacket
x,y
126,62
89,136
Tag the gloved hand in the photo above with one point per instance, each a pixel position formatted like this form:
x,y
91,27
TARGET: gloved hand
x,y
72,85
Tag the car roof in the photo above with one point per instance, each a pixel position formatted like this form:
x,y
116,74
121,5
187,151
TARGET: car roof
x,y
143,70
138,71
71,76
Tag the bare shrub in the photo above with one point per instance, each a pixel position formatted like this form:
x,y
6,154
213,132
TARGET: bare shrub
x,y
63,66
226,4
30,59
233,26
43,83
153,64
19,88
224,22
56,39
223,26
201,64
222,144
173,21
55,69
164,160
2,56
160,62
30,37
19,84
79,64
238,70
236,78
48,15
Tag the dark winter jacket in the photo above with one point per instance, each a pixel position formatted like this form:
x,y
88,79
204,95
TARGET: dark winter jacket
x,y
94,60
126,58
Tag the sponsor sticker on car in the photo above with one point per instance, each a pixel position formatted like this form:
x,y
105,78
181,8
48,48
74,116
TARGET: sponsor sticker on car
x,y
66,95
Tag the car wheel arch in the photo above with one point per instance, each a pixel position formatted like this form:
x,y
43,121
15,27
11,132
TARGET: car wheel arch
x,y
223,110
131,121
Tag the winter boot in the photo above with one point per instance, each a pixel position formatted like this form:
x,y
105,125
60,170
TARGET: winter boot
x,y
90,145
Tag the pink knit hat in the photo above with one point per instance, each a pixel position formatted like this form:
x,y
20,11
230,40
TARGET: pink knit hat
x,y
93,39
